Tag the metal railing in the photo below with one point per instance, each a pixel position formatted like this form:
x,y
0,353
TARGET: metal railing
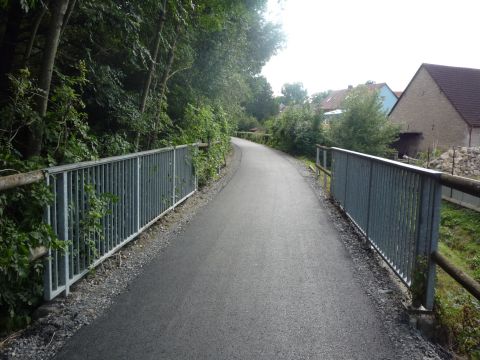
x,y
397,208
144,186
323,166
134,191
259,137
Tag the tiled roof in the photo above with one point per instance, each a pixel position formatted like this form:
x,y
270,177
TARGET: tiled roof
x,y
334,100
462,88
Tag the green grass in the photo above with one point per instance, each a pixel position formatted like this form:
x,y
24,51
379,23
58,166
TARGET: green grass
x,y
457,310
310,162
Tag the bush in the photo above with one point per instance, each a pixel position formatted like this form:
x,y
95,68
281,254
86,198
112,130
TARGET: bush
x,y
21,230
363,126
297,130
209,125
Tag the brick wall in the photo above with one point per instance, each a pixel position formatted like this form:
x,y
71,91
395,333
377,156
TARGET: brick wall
x,y
424,108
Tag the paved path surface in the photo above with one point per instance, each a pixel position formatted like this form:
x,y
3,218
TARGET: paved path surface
x,y
258,274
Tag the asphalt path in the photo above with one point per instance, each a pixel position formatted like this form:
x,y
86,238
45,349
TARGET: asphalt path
x,y
259,273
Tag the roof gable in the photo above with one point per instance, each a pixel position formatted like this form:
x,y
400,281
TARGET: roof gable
x,y
461,86
334,100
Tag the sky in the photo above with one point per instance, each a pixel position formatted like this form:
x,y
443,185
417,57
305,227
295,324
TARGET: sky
x,y
336,43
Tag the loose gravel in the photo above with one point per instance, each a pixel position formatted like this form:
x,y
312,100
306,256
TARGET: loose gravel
x,y
388,293
91,296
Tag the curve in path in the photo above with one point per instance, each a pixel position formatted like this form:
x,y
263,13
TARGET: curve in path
x,y
259,273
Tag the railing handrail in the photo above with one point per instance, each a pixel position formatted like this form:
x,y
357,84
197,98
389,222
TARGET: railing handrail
x,y
467,282
60,168
414,168
11,181
15,180
466,185
463,184
254,132
322,169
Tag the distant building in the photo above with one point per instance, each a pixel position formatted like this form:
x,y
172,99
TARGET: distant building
x,y
333,102
440,108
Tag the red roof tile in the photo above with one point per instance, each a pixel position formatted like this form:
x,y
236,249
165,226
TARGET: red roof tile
x,y
462,88
334,100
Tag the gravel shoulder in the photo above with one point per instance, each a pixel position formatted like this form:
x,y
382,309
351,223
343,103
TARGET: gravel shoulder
x,y
380,283
59,319
94,294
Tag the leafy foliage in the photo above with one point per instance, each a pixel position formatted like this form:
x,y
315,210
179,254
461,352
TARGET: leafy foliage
x,y
294,94
208,125
91,230
297,130
261,103
363,126
21,230
204,82
458,311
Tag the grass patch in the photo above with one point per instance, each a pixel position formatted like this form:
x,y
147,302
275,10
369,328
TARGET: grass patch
x,y
310,163
457,310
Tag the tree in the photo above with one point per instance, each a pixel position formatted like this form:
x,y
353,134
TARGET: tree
x,y
297,130
363,126
294,93
45,77
261,104
318,97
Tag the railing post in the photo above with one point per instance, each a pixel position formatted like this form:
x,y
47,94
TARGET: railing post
x,y
173,179
346,185
195,169
369,200
63,227
137,193
317,161
325,167
332,177
427,241
47,274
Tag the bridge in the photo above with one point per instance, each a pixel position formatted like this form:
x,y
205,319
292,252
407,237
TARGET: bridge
x,y
261,272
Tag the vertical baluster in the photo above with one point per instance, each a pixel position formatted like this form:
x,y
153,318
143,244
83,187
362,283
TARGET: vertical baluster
x,y
63,228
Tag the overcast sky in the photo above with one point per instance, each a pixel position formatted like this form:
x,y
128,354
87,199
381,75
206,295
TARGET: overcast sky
x,y
332,44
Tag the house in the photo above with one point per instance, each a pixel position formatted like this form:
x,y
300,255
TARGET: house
x,y
440,108
333,102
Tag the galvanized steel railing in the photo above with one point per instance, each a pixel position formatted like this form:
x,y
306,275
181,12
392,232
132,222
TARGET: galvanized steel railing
x,y
145,186
397,207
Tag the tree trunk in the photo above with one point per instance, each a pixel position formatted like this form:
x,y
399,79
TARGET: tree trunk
x,y
33,35
168,67
70,8
164,79
151,69
9,44
59,7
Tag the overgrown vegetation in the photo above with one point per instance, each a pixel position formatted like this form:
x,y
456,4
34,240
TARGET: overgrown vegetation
x,y
297,130
363,126
86,79
21,231
457,310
